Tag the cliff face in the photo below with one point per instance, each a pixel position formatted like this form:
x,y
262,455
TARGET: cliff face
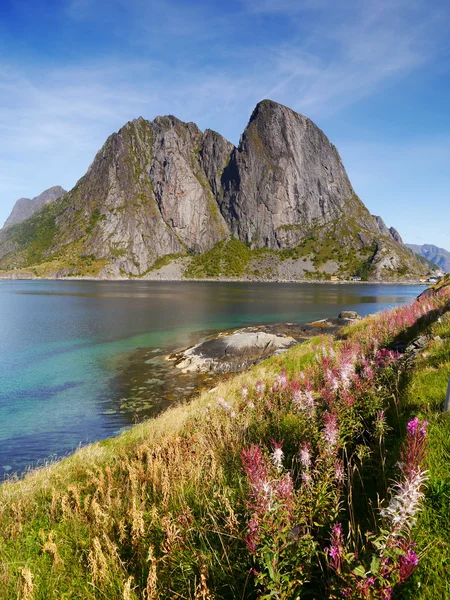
x,y
24,208
284,178
163,188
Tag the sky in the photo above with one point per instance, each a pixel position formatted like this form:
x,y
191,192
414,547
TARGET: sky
x,y
373,74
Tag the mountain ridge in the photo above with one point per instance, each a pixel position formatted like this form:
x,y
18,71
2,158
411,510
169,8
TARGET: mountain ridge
x,y
25,208
164,188
438,256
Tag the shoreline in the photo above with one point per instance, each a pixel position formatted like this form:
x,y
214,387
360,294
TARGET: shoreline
x,y
217,280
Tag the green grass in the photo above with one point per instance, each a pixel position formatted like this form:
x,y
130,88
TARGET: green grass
x,y
425,395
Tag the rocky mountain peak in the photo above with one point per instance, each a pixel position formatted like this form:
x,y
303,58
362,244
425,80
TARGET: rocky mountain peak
x,y
26,207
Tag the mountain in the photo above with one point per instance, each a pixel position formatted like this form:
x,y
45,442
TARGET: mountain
x,y
162,193
26,207
438,256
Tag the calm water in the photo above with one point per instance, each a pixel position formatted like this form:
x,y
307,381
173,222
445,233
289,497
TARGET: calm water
x,y
80,361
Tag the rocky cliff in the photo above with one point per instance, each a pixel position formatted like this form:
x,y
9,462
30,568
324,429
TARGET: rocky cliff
x,y
280,204
24,208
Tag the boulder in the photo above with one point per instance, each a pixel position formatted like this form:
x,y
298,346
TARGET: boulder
x,y
232,353
348,314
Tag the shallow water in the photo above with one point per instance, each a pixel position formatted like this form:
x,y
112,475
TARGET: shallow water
x,y
82,360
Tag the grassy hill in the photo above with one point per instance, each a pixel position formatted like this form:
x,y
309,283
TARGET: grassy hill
x,y
283,482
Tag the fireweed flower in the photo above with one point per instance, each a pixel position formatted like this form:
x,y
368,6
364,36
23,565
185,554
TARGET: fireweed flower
x,y
224,404
244,392
408,563
281,382
339,473
336,549
277,455
330,432
407,493
305,456
260,387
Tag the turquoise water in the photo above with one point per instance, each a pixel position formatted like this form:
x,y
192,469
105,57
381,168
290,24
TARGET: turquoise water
x,y
80,361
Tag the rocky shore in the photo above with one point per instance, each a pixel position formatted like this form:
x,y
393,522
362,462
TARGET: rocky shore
x,y
237,350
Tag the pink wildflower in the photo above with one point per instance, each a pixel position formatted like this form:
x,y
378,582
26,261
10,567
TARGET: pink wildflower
x,y
244,392
339,473
330,433
305,455
260,387
224,404
336,549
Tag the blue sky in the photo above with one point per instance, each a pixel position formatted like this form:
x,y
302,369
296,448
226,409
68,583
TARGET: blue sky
x,y
373,74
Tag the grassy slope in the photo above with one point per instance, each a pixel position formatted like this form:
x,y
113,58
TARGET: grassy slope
x,y
424,395
165,500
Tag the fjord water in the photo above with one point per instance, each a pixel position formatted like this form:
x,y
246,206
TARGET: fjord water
x,y
81,360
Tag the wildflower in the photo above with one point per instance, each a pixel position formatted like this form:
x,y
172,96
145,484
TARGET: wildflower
x,y
224,404
347,372
277,455
244,392
412,426
415,426
330,433
306,478
305,456
339,473
407,493
250,405
408,563
260,387
335,551
405,503
281,381
332,380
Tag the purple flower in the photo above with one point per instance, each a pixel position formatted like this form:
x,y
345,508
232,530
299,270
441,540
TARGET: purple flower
x,y
408,563
412,426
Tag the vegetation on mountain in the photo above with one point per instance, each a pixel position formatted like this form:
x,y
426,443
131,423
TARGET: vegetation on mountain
x,y
320,473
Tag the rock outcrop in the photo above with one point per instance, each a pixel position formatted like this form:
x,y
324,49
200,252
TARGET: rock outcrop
x,y
284,178
162,189
24,208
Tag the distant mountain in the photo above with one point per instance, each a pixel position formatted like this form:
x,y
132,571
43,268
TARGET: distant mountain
x,y
279,205
26,207
438,256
